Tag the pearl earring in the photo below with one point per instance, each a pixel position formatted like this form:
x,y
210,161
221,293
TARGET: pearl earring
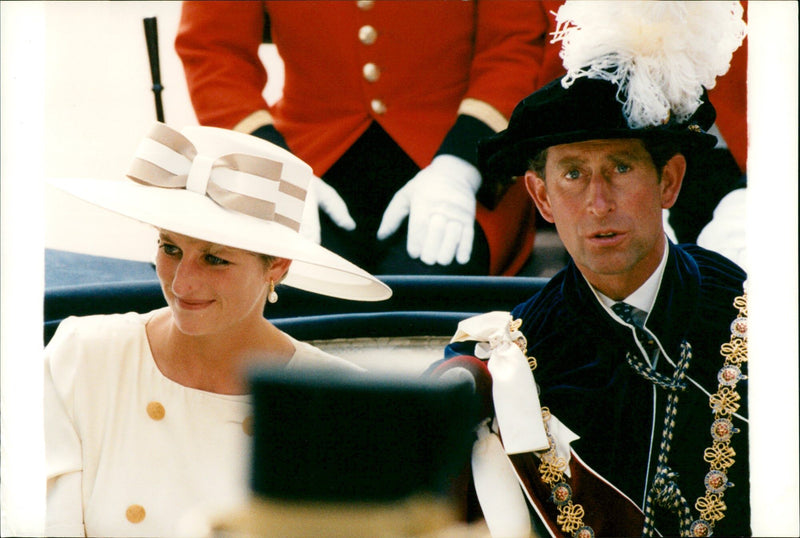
x,y
273,295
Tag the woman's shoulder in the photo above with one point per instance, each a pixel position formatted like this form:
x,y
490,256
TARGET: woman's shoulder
x,y
308,356
90,324
94,339
99,328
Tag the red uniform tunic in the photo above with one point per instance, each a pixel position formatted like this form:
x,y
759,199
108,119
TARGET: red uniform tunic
x,y
412,67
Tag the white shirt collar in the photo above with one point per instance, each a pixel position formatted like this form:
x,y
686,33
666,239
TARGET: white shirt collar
x,y
645,296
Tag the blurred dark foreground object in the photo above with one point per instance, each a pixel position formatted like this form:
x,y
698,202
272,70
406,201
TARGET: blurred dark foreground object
x,y
354,454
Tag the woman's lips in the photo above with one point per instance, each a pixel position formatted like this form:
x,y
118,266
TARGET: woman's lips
x,y
192,304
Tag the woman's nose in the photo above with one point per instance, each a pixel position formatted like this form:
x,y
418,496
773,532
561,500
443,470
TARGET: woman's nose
x,y
185,279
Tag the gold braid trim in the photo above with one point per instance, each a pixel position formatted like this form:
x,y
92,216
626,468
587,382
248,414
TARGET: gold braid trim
x,y
551,469
720,455
552,466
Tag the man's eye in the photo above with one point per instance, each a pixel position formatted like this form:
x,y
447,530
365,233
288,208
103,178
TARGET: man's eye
x,y
572,174
214,260
623,168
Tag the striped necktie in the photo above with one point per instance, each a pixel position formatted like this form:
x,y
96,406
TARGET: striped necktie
x,y
634,316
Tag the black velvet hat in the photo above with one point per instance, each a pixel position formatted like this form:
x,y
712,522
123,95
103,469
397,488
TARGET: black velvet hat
x,y
354,437
587,110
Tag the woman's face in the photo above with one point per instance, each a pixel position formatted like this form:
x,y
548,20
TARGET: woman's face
x,y
212,288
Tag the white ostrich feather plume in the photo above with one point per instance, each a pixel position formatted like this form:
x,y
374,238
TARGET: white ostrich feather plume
x,y
660,53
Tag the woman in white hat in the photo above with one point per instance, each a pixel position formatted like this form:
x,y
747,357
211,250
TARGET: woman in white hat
x,y
146,415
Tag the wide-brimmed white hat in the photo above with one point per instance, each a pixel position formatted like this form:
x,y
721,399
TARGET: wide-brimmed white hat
x,y
231,189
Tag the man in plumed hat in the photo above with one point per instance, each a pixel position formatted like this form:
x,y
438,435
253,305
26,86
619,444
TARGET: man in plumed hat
x,y
638,346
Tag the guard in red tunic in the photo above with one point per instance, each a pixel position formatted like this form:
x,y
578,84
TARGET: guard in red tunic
x,y
386,101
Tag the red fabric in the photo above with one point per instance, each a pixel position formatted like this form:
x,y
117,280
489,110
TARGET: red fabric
x,y
480,373
606,510
552,67
432,55
729,98
218,43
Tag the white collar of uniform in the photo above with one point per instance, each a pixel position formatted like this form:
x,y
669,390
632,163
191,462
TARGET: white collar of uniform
x,y
645,296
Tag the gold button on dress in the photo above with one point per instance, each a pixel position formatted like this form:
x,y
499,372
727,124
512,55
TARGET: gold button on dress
x,y
155,410
247,425
135,513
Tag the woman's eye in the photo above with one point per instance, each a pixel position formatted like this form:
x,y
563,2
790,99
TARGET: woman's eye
x,y
169,250
214,260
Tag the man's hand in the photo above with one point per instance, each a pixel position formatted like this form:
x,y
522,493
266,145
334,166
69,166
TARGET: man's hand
x,y
440,204
323,196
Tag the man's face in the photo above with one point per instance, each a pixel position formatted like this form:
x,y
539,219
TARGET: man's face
x,y
606,200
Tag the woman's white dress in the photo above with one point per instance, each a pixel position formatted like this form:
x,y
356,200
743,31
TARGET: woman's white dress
x,y
130,452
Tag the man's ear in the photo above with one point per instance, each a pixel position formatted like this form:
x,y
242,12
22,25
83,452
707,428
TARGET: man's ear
x,y
538,191
672,179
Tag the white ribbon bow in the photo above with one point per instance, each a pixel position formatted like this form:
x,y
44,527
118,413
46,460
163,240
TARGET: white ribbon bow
x,y
519,419
502,501
516,400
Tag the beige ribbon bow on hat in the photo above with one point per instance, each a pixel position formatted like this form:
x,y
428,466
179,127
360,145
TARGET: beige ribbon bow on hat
x,y
239,182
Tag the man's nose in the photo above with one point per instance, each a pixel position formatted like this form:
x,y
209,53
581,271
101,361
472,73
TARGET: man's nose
x,y
600,198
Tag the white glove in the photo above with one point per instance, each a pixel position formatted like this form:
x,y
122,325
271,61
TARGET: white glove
x,y
323,196
440,204
727,231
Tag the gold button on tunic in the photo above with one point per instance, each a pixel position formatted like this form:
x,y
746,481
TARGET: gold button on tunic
x,y
367,34
371,72
378,106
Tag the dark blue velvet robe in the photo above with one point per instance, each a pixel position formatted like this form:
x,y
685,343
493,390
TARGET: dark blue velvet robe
x,y
586,382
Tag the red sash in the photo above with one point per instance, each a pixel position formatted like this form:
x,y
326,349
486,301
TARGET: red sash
x,y
606,510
